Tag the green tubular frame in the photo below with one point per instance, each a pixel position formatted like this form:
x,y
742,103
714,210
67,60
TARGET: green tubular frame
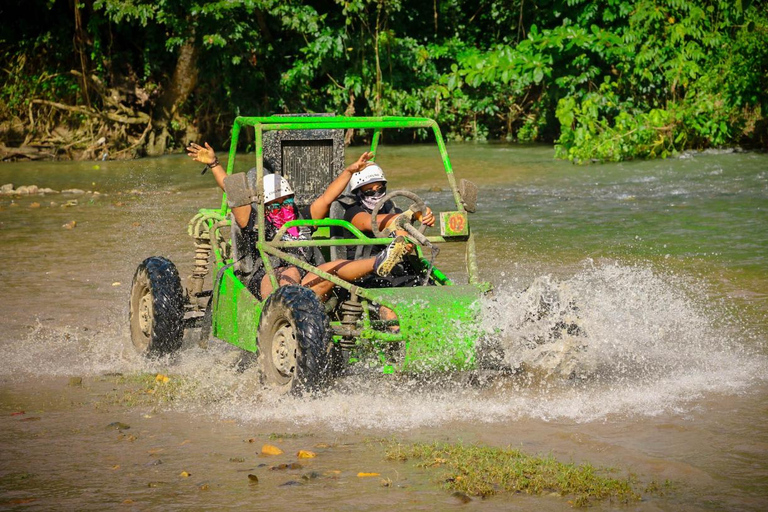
x,y
243,331
261,124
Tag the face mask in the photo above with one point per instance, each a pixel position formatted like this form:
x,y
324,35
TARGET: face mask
x,y
282,215
368,202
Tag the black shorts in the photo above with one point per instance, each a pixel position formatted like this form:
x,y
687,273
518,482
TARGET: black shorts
x,y
254,282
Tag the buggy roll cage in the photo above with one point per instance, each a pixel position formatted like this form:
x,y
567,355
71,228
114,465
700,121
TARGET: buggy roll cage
x,y
273,247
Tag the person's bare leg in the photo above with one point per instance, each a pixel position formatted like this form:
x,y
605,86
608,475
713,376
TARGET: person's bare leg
x,y
348,270
285,276
387,314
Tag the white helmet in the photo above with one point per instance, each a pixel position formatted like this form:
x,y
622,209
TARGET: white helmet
x,y
370,174
275,186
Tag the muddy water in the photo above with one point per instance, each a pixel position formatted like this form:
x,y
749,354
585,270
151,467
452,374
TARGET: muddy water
x,y
663,264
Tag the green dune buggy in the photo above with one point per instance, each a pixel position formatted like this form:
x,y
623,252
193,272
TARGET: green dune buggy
x,y
301,343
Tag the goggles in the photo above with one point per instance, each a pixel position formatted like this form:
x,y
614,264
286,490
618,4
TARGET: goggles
x,y
273,207
374,191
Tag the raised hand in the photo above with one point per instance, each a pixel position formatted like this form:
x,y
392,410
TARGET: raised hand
x,y
361,163
205,155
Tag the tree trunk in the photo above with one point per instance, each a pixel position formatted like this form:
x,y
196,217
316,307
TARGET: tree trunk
x,y
181,85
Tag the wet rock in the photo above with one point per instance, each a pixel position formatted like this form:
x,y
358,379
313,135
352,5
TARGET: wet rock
x,y
253,478
70,225
70,203
54,203
7,188
34,205
306,454
269,449
312,475
155,462
283,467
75,191
116,425
237,459
156,484
76,382
462,497
204,487
22,191
290,483
184,474
435,189
48,191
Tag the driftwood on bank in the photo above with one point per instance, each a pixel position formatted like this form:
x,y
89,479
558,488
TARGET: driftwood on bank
x,y
140,118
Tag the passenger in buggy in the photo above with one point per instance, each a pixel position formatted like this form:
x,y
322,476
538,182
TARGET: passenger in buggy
x,y
280,208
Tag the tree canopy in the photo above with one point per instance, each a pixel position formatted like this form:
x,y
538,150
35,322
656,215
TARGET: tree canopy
x,y
604,80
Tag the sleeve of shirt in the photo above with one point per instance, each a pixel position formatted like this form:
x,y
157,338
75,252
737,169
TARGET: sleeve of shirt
x,y
352,211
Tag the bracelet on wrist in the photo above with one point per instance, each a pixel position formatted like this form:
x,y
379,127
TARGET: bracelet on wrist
x,y
214,163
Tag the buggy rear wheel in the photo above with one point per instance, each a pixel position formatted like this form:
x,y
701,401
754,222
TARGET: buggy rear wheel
x,y
294,341
157,308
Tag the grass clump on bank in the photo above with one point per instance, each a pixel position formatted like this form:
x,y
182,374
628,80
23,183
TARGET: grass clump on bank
x,y
485,471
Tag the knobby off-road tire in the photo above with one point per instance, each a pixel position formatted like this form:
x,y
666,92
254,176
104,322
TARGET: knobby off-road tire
x,y
294,341
157,308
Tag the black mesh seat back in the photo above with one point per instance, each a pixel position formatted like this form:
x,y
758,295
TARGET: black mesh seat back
x,y
308,159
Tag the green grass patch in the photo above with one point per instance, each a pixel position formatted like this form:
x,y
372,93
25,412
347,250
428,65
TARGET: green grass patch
x,y
148,389
280,436
485,471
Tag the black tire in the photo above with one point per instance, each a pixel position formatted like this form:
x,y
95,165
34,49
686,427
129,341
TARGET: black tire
x,y
294,340
157,308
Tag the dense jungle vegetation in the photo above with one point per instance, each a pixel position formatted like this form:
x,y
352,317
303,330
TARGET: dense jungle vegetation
x,y
605,80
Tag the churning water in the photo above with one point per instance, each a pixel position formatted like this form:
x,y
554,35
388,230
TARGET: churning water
x,y
610,340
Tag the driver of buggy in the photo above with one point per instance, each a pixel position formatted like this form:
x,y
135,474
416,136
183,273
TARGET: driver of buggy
x,y
280,208
369,186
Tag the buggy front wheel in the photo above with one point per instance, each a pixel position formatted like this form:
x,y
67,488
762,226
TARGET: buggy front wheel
x,y
294,340
157,308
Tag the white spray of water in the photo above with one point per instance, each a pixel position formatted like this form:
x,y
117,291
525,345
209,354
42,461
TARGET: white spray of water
x,y
611,340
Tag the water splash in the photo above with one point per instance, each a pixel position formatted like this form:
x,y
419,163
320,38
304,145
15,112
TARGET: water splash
x,y
611,340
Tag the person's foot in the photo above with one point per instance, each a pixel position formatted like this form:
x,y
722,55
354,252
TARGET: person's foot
x,y
391,256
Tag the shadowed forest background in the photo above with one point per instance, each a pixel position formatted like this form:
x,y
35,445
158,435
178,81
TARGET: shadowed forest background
x,y
604,80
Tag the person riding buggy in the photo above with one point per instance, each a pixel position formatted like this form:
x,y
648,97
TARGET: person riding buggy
x,y
280,208
366,188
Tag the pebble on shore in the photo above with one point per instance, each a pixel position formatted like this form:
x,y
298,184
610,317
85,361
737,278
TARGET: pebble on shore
x,y
25,190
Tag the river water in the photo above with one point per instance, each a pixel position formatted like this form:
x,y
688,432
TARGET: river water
x,y
663,264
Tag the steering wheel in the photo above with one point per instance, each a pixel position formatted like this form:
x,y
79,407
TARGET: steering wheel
x,y
405,220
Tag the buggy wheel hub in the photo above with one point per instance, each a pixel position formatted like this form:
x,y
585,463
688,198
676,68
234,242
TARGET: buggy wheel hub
x,y
145,314
284,348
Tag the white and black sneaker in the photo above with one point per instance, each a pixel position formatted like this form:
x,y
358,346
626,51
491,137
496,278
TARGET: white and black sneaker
x,y
391,256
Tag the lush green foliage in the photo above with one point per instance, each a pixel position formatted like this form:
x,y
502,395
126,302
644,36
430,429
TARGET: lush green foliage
x,y
605,79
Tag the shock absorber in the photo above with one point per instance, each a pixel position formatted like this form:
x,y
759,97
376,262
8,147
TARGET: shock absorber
x,y
199,231
351,312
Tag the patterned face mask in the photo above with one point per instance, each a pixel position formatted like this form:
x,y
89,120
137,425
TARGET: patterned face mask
x,y
286,213
369,201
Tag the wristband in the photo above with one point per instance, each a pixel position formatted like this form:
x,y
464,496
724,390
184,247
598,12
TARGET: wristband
x,y
214,163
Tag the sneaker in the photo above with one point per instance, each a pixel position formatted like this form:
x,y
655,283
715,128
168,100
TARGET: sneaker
x,y
391,256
